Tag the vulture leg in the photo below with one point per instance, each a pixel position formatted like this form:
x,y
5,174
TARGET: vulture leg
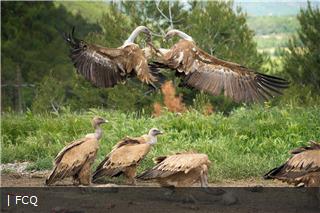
x,y
85,174
76,180
204,176
130,173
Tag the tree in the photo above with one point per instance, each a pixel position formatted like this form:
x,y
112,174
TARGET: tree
x,y
31,38
302,61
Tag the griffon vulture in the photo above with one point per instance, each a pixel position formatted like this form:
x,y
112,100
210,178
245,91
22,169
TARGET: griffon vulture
x,y
210,74
302,168
105,67
75,160
126,156
179,170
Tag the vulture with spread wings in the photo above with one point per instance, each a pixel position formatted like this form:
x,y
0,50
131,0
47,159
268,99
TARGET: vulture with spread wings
x,y
105,67
302,168
210,74
179,170
126,156
75,160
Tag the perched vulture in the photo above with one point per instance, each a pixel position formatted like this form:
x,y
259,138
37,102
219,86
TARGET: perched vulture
x,y
205,72
126,156
105,67
75,160
179,170
302,168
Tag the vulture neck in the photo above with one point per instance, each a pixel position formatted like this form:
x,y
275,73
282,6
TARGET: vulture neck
x,y
183,35
152,140
98,132
132,37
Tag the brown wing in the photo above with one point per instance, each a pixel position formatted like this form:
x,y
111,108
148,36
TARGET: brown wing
x,y
210,74
127,141
182,162
71,159
96,63
105,67
121,158
304,163
68,147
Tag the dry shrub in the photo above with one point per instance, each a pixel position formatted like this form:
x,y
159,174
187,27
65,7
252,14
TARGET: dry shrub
x,y
208,109
157,109
171,101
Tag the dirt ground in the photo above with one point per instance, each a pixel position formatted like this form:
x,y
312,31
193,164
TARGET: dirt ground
x,y
38,179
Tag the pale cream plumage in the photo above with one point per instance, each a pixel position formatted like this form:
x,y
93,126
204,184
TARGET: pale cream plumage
x,y
180,170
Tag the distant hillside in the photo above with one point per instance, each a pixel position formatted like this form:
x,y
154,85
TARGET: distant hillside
x,y
273,8
271,31
92,11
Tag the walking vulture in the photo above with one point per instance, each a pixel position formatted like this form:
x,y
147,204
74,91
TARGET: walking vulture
x,y
302,168
105,67
210,74
126,156
179,170
75,160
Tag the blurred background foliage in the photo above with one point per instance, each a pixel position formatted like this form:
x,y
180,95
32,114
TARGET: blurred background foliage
x,y
37,74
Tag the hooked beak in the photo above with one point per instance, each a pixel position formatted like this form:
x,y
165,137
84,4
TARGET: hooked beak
x,y
160,133
105,121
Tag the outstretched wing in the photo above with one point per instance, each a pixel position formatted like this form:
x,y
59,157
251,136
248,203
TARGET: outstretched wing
x,y
208,73
96,63
181,162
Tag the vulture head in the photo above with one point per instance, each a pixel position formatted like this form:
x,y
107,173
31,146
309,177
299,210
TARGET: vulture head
x,y
97,121
154,132
136,32
179,33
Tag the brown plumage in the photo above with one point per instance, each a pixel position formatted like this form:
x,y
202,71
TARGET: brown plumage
x,y
179,170
75,160
126,156
105,67
302,168
210,74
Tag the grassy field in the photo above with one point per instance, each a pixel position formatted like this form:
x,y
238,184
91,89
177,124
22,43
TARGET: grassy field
x,y
245,144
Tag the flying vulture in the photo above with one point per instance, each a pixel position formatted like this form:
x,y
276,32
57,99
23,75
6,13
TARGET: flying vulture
x,y
75,160
303,168
105,67
179,170
205,72
126,156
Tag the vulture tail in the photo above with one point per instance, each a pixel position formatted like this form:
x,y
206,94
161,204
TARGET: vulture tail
x,y
51,179
273,173
155,71
97,175
147,175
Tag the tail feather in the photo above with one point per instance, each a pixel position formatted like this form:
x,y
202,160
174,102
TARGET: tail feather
x,y
273,173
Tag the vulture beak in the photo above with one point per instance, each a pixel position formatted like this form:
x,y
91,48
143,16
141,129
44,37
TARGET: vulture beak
x,y
105,121
160,132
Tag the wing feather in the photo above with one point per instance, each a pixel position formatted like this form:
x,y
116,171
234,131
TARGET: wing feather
x,y
95,63
180,162
126,155
213,75
304,163
71,159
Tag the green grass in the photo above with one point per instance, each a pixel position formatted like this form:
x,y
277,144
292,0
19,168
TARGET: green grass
x,y
247,143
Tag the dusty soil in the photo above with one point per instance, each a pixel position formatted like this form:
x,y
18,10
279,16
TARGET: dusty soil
x,y
38,178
